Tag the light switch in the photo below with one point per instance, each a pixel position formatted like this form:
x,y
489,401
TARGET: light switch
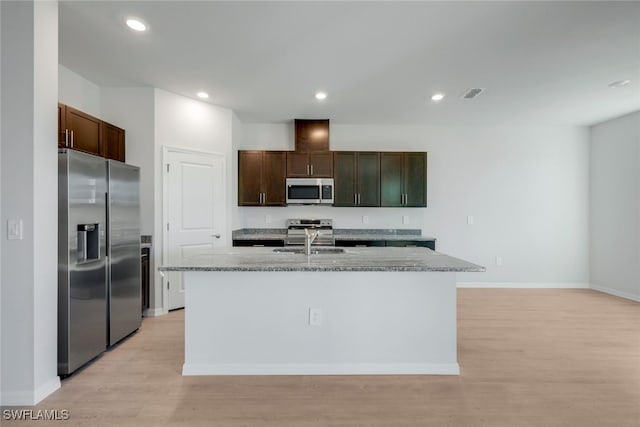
x,y
405,219
470,220
14,229
267,219
365,219
498,260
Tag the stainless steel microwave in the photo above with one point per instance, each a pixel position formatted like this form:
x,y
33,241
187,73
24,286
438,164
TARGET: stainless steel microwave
x,y
309,191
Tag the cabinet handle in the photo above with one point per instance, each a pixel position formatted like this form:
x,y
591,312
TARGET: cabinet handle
x,y
355,198
71,139
66,137
217,236
311,169
358,198
308,173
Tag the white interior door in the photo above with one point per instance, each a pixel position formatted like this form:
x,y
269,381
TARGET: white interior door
x,y
195,208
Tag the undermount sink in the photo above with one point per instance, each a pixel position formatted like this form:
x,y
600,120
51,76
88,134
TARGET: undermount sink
x,y
314,251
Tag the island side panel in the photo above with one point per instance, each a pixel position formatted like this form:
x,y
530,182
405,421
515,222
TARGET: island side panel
x,y
255,323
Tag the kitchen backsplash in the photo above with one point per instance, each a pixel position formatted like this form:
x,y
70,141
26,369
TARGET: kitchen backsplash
x,y
380,218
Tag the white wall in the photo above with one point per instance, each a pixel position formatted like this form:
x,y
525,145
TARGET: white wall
x,y
615,206
29,192
78,92
236,142
133,110
527,188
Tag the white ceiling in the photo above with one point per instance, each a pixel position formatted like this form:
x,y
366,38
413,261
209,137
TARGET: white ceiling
x,y
541,62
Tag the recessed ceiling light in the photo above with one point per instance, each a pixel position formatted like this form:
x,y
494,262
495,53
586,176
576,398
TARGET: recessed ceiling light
x,y
321,95
619,83
136,24
437,97
203,95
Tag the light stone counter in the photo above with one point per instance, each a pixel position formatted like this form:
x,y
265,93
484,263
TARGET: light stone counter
x,y
353,259
351,234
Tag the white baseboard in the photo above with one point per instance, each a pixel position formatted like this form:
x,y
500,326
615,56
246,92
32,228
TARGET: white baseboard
x,y
322,369
616,292
29,398
154,312
524,285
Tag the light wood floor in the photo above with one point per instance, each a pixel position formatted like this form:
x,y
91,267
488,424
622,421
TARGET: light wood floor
x,y
528,358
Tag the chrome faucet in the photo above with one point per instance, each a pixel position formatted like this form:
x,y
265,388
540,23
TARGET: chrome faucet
x,y
310,236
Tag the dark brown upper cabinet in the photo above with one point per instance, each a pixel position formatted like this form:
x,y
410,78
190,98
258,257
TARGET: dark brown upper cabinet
x,y
403,179
309,164
84,132
311,135
63,132
357,178
261,178
113,141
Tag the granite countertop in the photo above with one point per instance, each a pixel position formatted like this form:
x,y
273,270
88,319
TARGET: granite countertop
x,y
259,234
353,259
339,234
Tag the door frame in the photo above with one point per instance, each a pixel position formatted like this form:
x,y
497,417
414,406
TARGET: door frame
x,y
166,151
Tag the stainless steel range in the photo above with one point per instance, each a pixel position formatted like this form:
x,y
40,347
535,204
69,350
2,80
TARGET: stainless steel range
x,y
296,231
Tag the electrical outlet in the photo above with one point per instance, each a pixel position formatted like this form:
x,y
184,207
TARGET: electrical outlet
x,y
365,219
315,317
470,219
267,219
498,260
14,229
405,219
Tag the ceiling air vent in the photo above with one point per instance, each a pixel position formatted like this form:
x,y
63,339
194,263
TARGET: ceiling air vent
x,y
472,93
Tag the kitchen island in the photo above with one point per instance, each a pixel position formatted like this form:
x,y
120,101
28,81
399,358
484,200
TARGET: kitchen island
x,y
255,311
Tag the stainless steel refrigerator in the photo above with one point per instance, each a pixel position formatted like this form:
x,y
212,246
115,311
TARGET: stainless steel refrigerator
x,y
98,256
123,250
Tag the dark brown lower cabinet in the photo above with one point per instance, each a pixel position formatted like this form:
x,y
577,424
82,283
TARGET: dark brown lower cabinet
x,y
431,244
259,242
145,276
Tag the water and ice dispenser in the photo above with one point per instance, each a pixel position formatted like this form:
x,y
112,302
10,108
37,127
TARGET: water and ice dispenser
x,y
88,242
